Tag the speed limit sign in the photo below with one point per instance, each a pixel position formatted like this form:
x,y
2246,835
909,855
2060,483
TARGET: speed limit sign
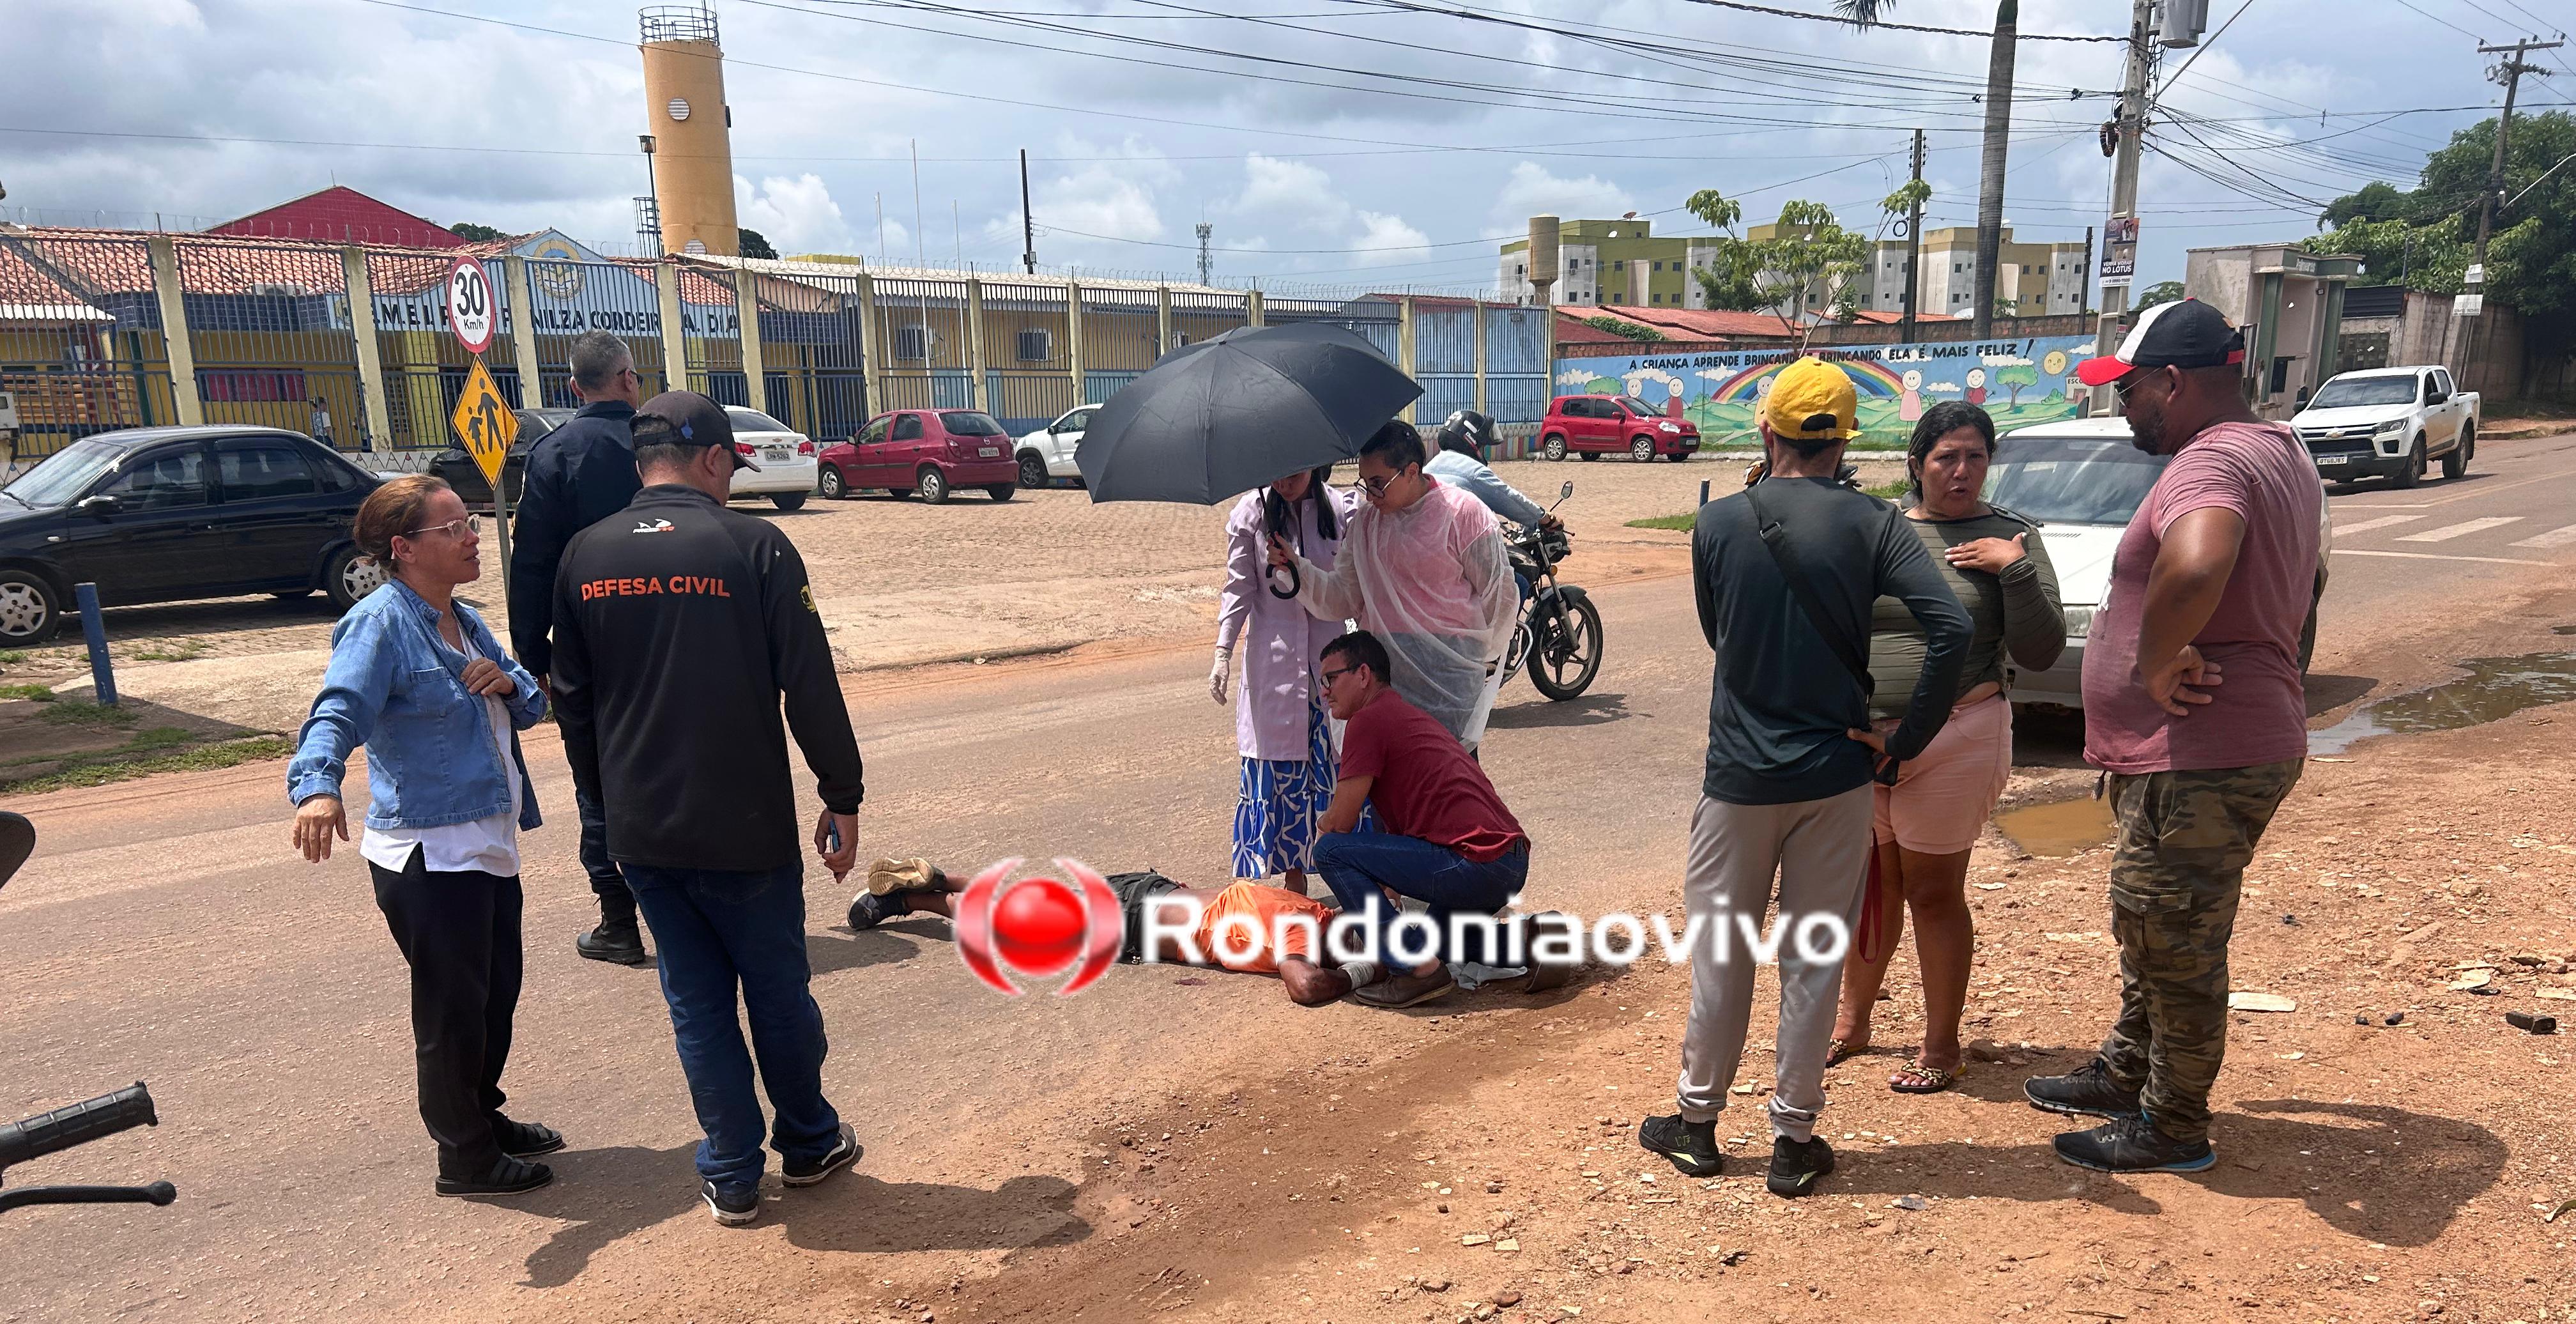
x,y
472,311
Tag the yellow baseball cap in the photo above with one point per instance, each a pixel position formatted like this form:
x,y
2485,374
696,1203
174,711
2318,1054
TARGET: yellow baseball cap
x,y
1812,400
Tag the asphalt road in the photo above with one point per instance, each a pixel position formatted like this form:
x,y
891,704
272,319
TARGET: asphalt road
x,y
166,932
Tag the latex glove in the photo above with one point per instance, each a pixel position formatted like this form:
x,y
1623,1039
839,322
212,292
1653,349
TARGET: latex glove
x,y
1221,676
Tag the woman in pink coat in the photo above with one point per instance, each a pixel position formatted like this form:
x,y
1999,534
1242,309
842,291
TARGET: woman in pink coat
x,y
1282,730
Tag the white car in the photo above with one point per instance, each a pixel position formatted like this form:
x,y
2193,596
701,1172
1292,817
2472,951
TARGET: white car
x,y
1047,454
2390,423
785,456
2081,480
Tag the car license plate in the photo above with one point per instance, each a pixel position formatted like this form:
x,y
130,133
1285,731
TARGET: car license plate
x,y
773,453
992,452
2324,460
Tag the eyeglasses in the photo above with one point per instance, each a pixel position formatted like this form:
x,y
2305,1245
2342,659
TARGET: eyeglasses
x,y
1331,676
471,524
1376,487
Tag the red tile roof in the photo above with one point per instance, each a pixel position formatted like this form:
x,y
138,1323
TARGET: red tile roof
x,y
342,215
1704,322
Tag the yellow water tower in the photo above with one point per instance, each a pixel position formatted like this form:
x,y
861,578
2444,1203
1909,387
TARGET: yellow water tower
x,y
691,129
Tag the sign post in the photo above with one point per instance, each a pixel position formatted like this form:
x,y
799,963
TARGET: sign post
x,y
485,424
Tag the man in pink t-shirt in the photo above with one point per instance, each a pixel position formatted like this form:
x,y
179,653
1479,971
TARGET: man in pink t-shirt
x,y
2193,707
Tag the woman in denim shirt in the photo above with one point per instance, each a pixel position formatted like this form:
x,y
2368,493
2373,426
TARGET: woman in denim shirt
x,y
418,679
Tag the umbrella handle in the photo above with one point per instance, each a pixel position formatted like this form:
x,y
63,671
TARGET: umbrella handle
x,y
1295,582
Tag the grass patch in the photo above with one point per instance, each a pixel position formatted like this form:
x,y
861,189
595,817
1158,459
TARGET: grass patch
x,y
137,758
10,657
1683,523
82,712
170,650
36,693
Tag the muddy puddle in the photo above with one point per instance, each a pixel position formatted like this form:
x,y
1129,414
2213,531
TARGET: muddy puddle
x,y
2495,688
2058,828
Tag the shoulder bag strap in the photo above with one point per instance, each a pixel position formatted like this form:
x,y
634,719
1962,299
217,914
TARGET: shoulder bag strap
x,y
1775,539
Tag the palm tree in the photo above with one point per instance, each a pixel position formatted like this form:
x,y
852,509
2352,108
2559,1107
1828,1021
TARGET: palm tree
x,y
1990,182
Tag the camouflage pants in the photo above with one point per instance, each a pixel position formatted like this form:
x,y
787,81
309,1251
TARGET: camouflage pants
x,y
2184,841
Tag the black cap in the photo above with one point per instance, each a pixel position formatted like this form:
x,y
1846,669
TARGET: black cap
x,y
2183,334
686,418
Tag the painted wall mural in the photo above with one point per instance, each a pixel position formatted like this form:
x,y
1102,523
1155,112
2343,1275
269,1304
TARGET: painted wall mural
x,y
2021,382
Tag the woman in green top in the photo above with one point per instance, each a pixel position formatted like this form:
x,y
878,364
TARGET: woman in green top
x,y
1927,823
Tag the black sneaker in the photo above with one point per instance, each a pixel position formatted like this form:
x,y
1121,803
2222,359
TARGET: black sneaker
x,y
868,910
617,941
2088,1090
1795,1167
845,1152
506,1176
2133,1144
526,1139
1692,1146
733,1208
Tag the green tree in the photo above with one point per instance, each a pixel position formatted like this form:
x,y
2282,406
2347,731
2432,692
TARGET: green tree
x,y
472,233
2163,291
1809,257
753,244
2016,379
2377,201
2531,254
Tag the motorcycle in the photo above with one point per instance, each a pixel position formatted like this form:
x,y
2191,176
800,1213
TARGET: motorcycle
x,y
76,1124
1559,634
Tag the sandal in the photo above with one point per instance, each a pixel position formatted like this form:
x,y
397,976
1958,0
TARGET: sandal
x,y
1839,1051
1916,1078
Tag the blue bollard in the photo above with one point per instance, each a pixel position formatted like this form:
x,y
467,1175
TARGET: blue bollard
x,y
102,672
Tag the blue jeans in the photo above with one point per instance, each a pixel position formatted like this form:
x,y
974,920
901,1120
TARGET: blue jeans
x,y
717,930
1356,865
605,882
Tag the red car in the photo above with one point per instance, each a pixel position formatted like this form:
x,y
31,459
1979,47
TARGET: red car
x,y
1595,425
930,451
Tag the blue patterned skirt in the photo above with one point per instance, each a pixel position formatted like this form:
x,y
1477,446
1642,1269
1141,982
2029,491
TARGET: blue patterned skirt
x,y
1280,802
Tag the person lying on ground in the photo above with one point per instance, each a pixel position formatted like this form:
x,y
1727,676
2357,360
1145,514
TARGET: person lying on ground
x,y
1270,937
1446,838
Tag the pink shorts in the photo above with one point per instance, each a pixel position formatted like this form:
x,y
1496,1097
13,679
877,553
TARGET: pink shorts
x,y
1941,799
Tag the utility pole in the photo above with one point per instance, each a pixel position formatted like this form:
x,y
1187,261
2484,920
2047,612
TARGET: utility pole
x,y
1028,223
2510,74
2129,129
1914,240
1990,184
1205,230
2084,276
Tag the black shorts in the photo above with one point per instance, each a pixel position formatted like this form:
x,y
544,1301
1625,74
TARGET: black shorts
x,y
1133,889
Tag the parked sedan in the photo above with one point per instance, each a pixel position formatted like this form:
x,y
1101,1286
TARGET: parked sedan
x,y
930,451
1047,454
166,514
786,458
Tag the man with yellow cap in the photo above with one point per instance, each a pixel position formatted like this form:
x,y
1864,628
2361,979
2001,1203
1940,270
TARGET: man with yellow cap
x,y
1786,572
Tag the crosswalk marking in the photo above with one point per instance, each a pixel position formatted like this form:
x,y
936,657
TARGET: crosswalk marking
x,y
2553,538
2462,529
2380,523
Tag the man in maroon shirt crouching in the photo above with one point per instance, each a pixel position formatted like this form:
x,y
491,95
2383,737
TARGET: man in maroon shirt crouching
x,y
1447,840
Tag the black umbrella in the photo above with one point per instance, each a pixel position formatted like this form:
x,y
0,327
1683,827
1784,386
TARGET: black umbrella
x,y
1236,411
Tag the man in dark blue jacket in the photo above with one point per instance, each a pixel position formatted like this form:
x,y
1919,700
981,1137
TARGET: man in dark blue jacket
x,y
578,475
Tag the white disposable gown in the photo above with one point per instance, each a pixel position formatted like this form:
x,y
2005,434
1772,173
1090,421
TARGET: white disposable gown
x,y
1432,581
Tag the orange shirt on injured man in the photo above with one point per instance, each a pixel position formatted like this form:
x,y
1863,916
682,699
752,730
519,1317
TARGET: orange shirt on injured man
x,y
1263,904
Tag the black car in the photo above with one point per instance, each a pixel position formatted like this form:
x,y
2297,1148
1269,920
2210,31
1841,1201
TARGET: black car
x,y
163,514
463,474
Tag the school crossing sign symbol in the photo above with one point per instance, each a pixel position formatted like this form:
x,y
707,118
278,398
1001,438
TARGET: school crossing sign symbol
x,y
485,424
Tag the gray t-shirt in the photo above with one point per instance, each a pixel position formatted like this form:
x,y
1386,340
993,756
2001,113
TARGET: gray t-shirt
x,y
2015,613
1783,699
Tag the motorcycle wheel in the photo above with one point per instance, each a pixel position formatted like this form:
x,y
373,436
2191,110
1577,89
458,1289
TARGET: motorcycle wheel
x,y
1565,650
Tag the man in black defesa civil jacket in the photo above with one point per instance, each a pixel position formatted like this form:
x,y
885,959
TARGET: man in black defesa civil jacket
x,y
679,628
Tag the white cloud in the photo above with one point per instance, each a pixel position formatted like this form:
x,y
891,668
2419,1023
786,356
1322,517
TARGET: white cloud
x,y
794,215
1291,192
1532,191
1388,239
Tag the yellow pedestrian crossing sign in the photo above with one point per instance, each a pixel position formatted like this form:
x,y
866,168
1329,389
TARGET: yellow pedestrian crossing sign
x,y
485,424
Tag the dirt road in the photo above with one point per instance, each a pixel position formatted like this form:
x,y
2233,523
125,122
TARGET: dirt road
x,y
1191,1145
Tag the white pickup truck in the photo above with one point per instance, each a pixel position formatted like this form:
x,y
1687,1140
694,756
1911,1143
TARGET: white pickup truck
x,y
2389,423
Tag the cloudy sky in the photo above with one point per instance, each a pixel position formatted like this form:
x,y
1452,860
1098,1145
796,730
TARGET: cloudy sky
x,y
1378,142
